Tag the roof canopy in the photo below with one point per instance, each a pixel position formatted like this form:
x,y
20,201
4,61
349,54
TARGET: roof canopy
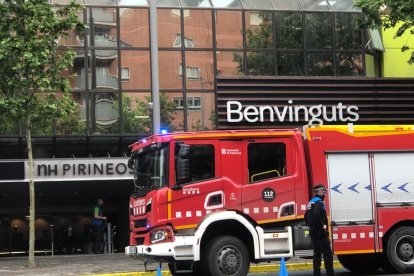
x,y
291,5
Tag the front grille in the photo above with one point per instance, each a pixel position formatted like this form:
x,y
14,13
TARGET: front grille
x,y
140,241
141,223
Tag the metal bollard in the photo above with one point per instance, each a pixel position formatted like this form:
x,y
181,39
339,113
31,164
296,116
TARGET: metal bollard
x,y
109,239
52,242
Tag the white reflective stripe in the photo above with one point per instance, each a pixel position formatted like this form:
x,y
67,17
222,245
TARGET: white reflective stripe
x,y
275,209
344,236
178,214
380,234
362,235
371,234
353,235
303,207
265,209
198,213
256,210
208,212
188,214
246,210
335,236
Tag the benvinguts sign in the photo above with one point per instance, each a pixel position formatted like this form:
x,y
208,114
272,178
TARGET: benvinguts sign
x,y
316,114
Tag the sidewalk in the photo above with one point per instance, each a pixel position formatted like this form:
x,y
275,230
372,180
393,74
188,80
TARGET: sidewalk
x,y
109,264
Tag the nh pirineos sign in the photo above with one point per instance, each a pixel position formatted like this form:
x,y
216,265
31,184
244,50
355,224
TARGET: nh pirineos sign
x,y
67,169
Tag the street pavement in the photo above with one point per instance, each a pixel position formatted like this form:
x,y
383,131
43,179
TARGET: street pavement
x,y
113,264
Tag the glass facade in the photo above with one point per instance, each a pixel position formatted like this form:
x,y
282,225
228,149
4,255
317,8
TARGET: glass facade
x,y
199,41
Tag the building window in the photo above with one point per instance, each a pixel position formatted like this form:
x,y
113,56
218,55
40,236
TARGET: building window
x,y
266,160
193,103
255,19
186,13
125,74
188,42
192,72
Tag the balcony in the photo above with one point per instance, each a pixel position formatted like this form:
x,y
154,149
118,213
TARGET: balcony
x,y
102,81
104,17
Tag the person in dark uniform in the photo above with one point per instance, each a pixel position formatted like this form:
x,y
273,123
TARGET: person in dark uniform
x,y
317,221
98,224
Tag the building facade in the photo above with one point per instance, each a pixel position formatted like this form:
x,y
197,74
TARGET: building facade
x,y
200,43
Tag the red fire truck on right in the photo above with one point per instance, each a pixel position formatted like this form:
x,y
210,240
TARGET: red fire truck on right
x,y
213,202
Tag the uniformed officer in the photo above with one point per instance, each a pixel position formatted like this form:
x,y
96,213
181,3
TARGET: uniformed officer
x,y
317,221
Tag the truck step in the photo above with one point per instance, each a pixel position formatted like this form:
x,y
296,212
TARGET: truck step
x,y
303,253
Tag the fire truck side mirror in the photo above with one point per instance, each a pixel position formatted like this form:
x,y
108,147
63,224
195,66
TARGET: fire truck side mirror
x,y
182,170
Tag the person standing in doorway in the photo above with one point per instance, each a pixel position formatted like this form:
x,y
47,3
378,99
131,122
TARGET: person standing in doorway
x,y
98,224
317,221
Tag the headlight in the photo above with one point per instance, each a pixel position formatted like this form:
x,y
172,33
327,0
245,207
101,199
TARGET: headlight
x,y
160,235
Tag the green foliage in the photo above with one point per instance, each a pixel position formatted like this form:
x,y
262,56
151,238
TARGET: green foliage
x,y
32,64
134,111
389,14
258,62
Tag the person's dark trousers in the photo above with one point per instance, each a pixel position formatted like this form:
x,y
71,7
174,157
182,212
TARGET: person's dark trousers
x,y
99,231
321,246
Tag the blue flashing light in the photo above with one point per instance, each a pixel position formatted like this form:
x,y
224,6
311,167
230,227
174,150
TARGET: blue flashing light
x,y
164,131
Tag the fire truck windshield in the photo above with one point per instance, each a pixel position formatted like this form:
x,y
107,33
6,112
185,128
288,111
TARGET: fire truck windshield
x,y
150,167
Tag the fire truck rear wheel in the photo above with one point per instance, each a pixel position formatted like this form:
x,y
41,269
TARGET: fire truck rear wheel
x,y
400,249
360,263
226,256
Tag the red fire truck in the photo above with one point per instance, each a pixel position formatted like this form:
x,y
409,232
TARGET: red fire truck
x,y
213,202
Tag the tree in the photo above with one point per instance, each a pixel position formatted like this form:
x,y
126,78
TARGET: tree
x,y
135,112
31,71
389,14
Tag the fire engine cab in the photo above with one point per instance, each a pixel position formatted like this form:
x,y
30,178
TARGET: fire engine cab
x,y
213,202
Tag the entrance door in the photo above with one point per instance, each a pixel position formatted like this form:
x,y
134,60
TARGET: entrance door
x,y
268,190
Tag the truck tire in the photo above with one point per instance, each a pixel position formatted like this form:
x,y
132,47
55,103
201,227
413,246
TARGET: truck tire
x,y
360,263
400,249
177,268
226,256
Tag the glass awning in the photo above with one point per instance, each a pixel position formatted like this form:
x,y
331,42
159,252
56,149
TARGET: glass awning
x,y
279,5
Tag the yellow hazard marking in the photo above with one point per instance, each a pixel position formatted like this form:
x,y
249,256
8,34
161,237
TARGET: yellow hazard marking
x,y
346,252
169,204
363,130
252,135
188,226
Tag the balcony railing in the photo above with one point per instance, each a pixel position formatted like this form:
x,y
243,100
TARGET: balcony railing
x,y
102,81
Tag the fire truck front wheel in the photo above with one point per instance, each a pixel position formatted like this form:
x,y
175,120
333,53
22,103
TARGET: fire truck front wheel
x,y
400,249
226,255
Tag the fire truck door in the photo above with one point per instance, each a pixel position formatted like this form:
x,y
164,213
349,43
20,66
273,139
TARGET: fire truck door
x,y
200,192
351,202
268,191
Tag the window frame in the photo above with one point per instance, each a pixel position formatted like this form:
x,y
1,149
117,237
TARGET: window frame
x,y
288,160
215,160
180,103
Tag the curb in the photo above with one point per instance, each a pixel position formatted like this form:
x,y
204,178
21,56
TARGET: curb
x,y
253,269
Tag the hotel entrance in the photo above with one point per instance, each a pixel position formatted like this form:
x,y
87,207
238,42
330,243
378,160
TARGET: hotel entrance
x,y
64,205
